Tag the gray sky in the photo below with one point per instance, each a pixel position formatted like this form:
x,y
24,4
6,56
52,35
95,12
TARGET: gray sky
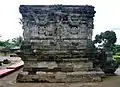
x,y
106,18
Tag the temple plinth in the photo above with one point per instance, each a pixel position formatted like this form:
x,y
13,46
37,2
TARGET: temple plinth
x,y
57,44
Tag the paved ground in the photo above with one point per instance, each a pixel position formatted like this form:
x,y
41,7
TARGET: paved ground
x,y
9,81
12,59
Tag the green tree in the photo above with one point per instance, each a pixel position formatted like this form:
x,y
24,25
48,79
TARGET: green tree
x,y
1,43
107,38
12,43
17,41
117,47
7,44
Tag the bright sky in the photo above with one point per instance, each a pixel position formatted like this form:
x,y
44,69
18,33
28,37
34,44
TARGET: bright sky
x,y
107,15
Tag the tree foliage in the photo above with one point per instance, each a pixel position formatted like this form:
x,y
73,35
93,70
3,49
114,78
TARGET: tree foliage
x,y
12,43
117,47
17,41
107,38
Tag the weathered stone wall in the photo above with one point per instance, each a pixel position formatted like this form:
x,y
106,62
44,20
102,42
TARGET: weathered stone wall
x,y
57,43
54,29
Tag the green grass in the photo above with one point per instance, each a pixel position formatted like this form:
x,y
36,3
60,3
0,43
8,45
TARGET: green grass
x,y
2,54
116,57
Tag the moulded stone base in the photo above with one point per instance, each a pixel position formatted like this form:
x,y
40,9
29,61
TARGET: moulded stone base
x,y
61,77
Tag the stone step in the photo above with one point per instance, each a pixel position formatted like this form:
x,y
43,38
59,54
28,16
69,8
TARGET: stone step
x,y
56,69
64,59
54,66
61,77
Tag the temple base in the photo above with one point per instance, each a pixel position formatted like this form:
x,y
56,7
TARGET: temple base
x,y
69,70
61,77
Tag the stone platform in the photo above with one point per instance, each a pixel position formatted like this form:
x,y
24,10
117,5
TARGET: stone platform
x,y
69,70
61,77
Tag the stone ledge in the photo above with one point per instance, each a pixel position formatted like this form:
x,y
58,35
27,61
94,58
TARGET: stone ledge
x,y
61,77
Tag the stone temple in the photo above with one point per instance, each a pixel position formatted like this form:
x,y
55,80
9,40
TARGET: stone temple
x,y
57,44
